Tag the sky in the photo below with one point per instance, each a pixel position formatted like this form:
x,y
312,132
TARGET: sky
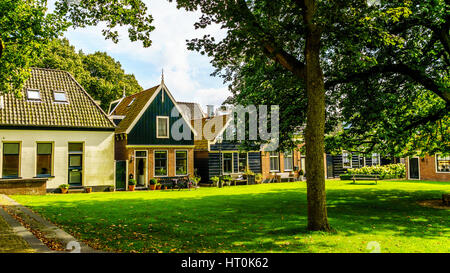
x,y
186,73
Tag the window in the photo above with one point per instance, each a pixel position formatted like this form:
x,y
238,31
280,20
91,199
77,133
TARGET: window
x,y
160,163
346,160
181,162
375,159
44,159
274,162
60,96
11,160
131,102
33,94
162,125
227,163
242,162
288,161
442,164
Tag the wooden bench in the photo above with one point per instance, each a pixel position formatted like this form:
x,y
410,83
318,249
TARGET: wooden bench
x,y
175,182
238,178
285,176
365,177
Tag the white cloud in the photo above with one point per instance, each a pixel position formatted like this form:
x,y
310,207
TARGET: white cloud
x,y
186,72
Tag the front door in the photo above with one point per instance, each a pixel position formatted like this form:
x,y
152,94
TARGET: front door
x,y
414,168
75,164
141,168
121,174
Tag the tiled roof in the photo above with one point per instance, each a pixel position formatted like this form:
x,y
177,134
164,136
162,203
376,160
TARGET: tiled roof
x,y
132,111
201,143
191,110
80,110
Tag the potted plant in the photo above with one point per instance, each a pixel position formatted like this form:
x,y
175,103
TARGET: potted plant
x,y
131,184
227,180
300,175
88,189
111,188
196,179
250,176
153,183
215,180
64,188
158,186
258,178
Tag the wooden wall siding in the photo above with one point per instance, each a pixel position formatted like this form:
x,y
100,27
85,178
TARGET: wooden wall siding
x,y
337,163
214,164
254,162
226,146
144,132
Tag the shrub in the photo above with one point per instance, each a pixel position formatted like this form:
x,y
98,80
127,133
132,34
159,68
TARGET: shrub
x,y
385,172
132,182
64,186
153,181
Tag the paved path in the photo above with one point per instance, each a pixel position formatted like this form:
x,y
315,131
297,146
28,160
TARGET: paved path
x,y
10,242
50,230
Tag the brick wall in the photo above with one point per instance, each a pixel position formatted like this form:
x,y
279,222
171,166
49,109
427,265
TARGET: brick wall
x,y
150,160
265,162
427,167
34,186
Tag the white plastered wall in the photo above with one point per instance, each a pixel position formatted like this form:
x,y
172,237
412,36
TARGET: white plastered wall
x,y
98,155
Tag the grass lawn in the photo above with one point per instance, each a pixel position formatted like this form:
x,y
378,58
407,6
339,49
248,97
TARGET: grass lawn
x,y
257,218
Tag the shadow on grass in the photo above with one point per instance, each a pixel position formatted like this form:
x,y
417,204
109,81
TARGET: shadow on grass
x,y
249,222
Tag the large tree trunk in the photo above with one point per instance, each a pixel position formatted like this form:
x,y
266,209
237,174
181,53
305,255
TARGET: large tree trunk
x,y
315,126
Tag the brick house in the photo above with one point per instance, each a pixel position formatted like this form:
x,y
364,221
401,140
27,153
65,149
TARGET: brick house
x,y
57,132
146,143
434,168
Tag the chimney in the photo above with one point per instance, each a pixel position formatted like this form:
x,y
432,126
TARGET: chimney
x,y
98,102
210,111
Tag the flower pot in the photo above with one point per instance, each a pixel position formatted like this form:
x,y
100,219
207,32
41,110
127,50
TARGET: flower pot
x,y
152,187
158,187
131,187
88,190
64,190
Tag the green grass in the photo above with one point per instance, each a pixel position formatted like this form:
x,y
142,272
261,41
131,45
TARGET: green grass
x,y
257,218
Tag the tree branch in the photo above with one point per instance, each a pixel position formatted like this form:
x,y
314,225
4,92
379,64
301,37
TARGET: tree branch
x,y
269,44
414,74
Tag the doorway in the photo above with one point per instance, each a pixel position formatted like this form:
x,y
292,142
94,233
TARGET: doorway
x,y
141,168
414,172
75,164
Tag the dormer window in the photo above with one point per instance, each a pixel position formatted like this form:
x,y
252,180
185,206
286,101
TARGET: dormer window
x,y
33,95
131,102
60,96
162,127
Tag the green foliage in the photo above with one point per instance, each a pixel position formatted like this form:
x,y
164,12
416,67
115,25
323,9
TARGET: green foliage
x,y
64,186
390,171
99,74
132,182
26,28
153,181
196,179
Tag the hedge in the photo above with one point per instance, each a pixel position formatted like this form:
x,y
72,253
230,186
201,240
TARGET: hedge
x,y
390,171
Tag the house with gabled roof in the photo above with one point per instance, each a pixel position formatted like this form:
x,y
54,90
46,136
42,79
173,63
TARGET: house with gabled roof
x,y
56,131
154,138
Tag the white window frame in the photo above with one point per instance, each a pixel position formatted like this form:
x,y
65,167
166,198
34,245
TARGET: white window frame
x,y
154,163
292,161
349,155
157,126
378,159
136,166
436,165
246,161
187,162
60,92
278,158
232,162
34,90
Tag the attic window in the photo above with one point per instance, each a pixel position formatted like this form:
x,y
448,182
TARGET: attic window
x,y
131,102
60,96
33,95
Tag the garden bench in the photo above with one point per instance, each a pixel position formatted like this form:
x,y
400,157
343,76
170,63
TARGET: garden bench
x,y
285,176
238,178
172,182
365,177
